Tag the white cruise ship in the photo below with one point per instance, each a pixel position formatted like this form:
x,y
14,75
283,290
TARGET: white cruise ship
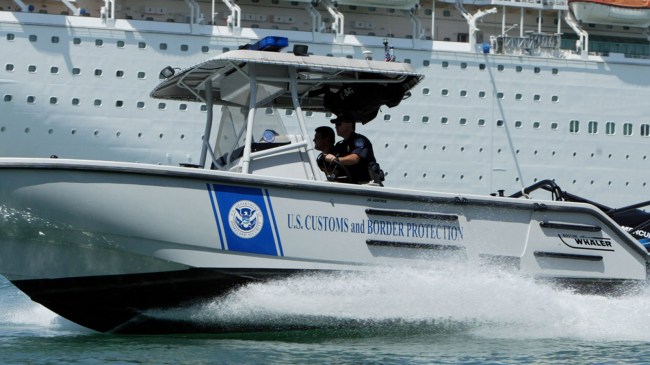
x,y
515,91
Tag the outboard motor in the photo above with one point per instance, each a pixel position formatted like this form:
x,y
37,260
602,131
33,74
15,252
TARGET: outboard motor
x,y
636,222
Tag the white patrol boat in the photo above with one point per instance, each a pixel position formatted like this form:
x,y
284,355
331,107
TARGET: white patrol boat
x,y
104,243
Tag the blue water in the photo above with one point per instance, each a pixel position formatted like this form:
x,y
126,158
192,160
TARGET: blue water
x,y
455,314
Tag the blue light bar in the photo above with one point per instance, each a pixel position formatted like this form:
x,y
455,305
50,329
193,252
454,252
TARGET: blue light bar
x,y
268,44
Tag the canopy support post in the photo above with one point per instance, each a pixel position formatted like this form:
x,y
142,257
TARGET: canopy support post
x,y
293,77
209,103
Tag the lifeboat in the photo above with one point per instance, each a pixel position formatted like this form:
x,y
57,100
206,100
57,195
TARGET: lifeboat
x,y
633,13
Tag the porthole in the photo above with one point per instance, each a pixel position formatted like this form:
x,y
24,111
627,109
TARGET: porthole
x,y
73,131
426,63
536,125
554,71
463,65
518,96
554,126
76,71
97,102
54,39
184,47
99,42
499,123
54,70
119,103
537,70
406,119
75,101
500,95
426,91
31,99
444,92
31,68
500,67
445,64
98,72
95,132
141,75
574,126
387,117
182,107
463,93
518,124
462,121
163,46
33,38
76,41
9,67
481,66
140,105
627,129
425,119
142,45
481,94
162,106
8,97
555,98
11,37
610,128
537,97
481,122
204,108
444,120
518,68
120,44
119,73
205,49
54,100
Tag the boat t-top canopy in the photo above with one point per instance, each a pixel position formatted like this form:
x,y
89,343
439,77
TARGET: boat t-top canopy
x,y
251,79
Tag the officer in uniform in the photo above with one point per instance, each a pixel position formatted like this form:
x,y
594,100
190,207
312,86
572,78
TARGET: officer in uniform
x,y
354,151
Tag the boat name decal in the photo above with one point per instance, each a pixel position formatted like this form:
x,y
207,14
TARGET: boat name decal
x,y
586,243
445,232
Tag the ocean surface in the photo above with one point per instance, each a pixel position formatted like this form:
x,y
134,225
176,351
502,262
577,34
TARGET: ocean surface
x,y
455,314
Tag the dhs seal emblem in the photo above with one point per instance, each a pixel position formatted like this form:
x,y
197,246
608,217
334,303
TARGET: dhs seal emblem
x,y
245,219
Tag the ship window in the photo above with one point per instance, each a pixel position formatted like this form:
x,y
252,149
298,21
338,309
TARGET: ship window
x,y
76,71
99,42
500,95
204,108
481,66
537,97
97,102
574,126
9,67
11,37
463,65
387,117
182,107
31,68
518,124
98,72
33,38
76,40
627,129
426,91
75,101
163,46
54,100
444,92
120,44
645,130
425,119
463,93
518,96
554,126
536,125
481,94
406,119
407,60
500,67
140,105
499,123
555,98
518,68
481,122
446,12
31,99
205,49
119,73
141,75
309,113
537,70
462,121
184,47
445,64
610,128
8,97
444,120
225,49
119,103
427,11
54,70
55,39
592,127
554,71
426,63
142,45
162,106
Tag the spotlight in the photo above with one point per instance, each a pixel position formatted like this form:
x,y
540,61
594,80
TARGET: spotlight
x,y
167,72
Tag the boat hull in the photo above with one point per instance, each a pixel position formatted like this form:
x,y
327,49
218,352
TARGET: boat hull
x,y
103,243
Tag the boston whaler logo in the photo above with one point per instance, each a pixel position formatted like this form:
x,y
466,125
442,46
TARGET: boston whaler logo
x,y
245,219
587,243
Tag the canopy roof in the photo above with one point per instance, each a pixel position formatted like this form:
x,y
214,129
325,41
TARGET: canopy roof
x,y
318,80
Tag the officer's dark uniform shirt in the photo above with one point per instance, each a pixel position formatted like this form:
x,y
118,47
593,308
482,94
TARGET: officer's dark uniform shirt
x,y
361,146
